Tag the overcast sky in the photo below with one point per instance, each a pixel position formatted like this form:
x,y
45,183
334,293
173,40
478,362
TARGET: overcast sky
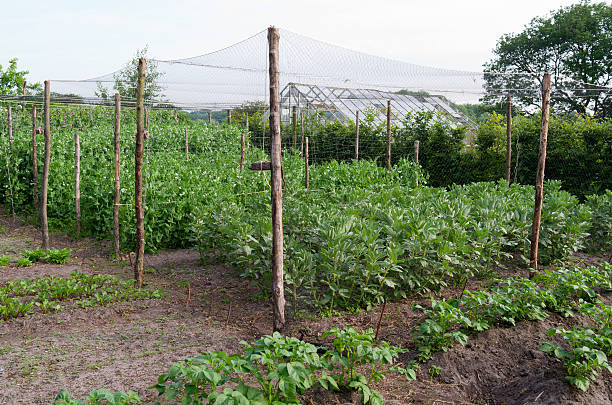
x,y
70,39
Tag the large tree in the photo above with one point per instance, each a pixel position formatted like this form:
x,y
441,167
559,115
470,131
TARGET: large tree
x,y
127,78
574,44
12,79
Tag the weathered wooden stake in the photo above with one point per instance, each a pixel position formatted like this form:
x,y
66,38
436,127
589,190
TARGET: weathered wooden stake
x,y
508,138
186,146
140,130
306,166
23,95
278,290
209,118
537,209
35,161
45,184
9,161
357,136
77,182
294,119
117,193
10,126
229,116
416,151
242,144
388,135
301,133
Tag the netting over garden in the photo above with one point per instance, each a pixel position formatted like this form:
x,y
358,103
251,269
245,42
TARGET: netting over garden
x,y
238,73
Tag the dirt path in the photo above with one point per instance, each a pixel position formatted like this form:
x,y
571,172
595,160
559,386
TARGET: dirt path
x,y
125,346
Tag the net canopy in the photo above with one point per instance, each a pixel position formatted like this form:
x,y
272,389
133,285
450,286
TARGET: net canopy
x,y
239,73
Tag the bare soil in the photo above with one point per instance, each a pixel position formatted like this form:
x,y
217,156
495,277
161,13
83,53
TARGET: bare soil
x,y
126,346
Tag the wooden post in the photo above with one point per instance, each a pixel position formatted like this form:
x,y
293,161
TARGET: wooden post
x,y
388,135
23,95
117,193
209,118
35,161
229,116
77,182
140,130
186,146
9,160
508,138
537,209
242,151
294,119
45,184
416,151
357,136
10,126
302,133
278,291
306,166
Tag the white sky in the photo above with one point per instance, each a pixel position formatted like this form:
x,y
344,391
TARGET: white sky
x,y
70,39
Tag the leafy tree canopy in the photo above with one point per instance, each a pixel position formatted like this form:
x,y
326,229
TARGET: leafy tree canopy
x,y
12,80
127,78
574,44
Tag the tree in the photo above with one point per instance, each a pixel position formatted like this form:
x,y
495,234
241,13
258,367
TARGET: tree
x,y
574,44
12,80
126,79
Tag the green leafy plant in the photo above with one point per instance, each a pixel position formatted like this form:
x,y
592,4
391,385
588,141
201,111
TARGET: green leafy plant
x,y
99,397
4,260
355,349
57,256
36,255
584,359
23,262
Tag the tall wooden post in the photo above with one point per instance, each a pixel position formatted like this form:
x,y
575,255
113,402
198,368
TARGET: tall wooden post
x,y
306,167
9,161
388,135
10,126
278,290
77,182
229,116
23,95
508,138
301,133
35,161
357,136
186,145
209,118
242,145
45,184
537,209
416,151
117,193
140,130
294,119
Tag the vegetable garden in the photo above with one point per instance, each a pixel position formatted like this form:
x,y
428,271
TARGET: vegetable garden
x,y
358,239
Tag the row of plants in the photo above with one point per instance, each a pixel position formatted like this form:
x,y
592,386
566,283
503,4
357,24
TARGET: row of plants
x,y
358,235
562,291
273,370
589,347
51,256
20,297
362,234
